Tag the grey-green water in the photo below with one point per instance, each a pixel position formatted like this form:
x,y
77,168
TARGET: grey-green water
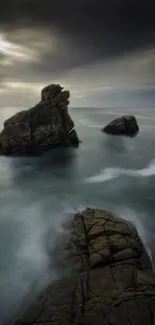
x,y
37,194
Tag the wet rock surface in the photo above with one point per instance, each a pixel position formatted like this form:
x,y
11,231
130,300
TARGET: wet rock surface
x,y
108,277
125,125
46,125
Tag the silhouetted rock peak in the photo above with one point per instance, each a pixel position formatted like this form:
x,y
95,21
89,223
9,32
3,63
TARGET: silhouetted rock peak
x,y
50,91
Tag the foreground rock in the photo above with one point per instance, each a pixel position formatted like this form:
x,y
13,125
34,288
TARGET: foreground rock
x,y
46,125
125,125
110,279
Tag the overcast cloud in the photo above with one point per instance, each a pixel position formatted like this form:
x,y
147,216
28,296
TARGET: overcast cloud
x,y
103,51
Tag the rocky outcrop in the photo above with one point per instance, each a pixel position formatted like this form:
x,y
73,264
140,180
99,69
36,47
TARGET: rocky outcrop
x,y
46,125
108,277
126,125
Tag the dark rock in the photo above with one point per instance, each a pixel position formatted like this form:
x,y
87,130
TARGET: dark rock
x,y
50,91
110,278
73,139
46,125
125,125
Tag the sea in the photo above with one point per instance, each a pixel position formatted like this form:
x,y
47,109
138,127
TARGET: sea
x,y
38,194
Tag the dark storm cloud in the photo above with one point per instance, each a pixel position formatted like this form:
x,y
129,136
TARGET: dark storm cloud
x,y
100,28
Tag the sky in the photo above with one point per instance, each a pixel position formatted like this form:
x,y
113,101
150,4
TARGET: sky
x,y
102,51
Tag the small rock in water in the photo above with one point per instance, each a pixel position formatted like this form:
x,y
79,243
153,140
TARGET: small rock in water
x,y
125,125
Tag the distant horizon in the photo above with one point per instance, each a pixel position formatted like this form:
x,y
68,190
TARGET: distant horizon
x,y
83,107
111,108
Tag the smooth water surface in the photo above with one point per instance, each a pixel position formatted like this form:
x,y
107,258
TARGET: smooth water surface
x,y
37,194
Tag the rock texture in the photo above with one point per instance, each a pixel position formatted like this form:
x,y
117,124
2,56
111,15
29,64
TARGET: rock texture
x,y
125,125
110,279
44,126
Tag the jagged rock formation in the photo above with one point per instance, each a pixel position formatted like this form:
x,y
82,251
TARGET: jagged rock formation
x,y
110,279
44,126
125,125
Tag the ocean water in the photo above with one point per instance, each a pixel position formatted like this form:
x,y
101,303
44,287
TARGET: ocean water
x,y
37,195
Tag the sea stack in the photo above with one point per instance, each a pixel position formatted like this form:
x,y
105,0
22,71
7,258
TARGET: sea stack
x,y
46,125
125,125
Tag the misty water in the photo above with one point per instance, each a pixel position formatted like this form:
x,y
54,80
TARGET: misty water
x,y
37,195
